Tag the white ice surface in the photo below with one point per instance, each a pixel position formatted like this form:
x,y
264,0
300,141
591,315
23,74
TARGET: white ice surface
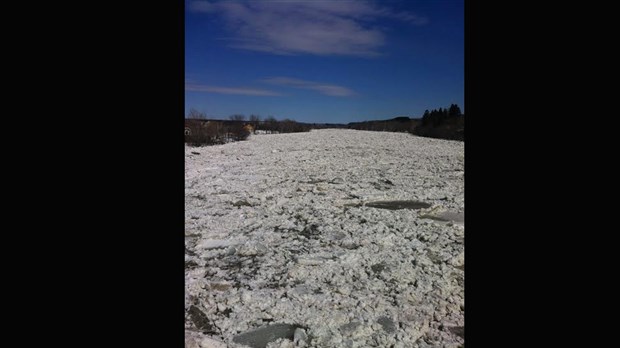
x,y
276,232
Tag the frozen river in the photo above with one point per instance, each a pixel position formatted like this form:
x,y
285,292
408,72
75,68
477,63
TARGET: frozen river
x,y
332,238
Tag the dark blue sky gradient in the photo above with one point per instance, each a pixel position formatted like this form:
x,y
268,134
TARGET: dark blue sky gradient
x,y
324,61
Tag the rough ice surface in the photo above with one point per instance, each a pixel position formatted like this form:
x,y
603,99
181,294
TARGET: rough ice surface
x,y
261,337
278,232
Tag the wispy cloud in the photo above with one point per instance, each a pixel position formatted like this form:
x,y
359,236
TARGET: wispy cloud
x,y
306,27
201,6
230,90
323,88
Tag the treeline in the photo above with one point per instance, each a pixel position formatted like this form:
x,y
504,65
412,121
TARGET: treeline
x,y
448,123
272,126
199,130
442,123
397,124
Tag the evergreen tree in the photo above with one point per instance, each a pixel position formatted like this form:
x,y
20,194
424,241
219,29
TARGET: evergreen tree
x,y
438,117
426,117
454,111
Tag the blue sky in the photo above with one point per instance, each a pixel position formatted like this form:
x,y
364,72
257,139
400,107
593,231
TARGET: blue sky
x,y
335,61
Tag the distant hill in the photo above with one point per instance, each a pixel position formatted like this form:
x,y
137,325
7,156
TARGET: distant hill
x,y
326,125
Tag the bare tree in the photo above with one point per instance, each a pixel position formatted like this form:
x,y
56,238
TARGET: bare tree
x,y
271,124
237,117
286,125
195,114
255,121
214,132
